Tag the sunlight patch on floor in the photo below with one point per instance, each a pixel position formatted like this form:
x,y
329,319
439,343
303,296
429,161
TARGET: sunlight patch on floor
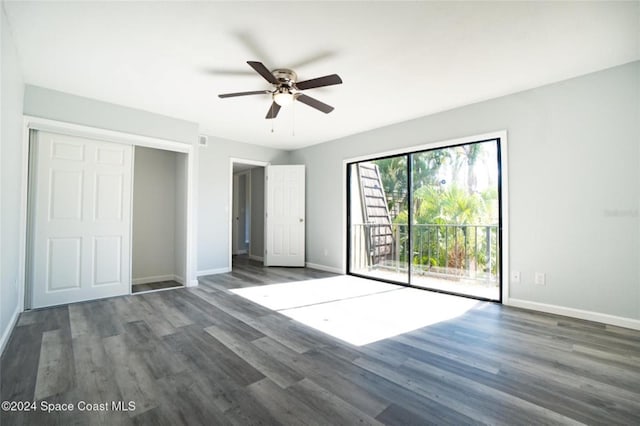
x,y
357,310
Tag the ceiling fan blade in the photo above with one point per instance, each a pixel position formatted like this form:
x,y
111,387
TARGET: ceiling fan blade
x,y
263,71
255,92
273,111
314,103
327,80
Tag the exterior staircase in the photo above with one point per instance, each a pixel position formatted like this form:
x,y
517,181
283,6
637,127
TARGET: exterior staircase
x,y
376,214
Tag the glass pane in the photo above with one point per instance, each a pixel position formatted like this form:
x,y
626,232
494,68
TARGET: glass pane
x,y
378,219
455,214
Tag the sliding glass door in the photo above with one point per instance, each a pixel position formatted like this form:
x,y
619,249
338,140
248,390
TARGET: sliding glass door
x,y
429,219
378,222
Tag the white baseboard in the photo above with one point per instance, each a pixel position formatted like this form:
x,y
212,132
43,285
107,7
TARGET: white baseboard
x,y
155,279
7,331
193,283
323,268
258,258
240,252
178,279
214,271
576,313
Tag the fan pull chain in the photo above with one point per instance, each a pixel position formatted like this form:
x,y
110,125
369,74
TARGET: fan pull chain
x,y
272,120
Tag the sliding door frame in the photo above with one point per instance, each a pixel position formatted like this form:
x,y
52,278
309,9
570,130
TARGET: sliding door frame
x,y
503,271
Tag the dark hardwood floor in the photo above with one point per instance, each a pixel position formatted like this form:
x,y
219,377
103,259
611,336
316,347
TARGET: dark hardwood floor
x,y
206,356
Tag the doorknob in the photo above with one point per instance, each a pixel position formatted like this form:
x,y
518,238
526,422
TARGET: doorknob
x,y
301,220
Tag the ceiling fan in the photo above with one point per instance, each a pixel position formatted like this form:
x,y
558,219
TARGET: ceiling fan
x,y
286,89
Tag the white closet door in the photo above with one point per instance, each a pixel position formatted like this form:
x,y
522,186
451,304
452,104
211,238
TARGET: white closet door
x,y
81,220
285,227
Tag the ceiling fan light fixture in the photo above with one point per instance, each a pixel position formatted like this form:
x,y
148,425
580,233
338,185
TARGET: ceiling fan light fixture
x,y
283,97
287,89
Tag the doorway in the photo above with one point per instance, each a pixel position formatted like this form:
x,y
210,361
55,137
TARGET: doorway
x,y
429,219
158,219
247,212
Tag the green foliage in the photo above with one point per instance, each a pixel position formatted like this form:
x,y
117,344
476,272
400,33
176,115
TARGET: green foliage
x,y
443,212
453,205
393,172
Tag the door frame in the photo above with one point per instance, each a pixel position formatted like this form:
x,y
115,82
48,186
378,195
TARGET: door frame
x,y
232,161
66,128
503,182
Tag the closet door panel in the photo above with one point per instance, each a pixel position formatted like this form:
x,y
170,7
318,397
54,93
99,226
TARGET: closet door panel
x,y
81,220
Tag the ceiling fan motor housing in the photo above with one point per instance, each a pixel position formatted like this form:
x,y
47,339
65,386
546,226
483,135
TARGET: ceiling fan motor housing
x,y
285,76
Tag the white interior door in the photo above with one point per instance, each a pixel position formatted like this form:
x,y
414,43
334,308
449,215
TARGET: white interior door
x,y
285,215
81,220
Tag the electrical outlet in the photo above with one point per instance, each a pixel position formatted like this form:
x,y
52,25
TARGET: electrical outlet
x,y
326,252
515,277
540,278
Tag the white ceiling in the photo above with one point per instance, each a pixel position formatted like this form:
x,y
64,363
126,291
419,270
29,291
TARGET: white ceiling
x,y
398,60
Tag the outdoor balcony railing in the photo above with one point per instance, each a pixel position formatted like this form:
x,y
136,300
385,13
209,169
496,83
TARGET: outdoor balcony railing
x,y
444,250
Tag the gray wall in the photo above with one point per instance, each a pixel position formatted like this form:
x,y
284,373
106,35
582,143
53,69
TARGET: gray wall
x,y
154,213
257,212
214,172
54,105
573,158
11,164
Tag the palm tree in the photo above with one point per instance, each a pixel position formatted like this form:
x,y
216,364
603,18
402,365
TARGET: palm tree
x,y
393,172
471,153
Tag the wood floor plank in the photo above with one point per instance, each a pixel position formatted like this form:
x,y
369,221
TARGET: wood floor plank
x,y
342,387
215,316
20,363
220,386
284,406
225,359
261,320
157,323
125,308
195,309
18,370
206,355
28,318
278,372
398,415
162,307
79,323
160,359
248,411
103,318
135,381
519,410
334,409
95,380
184,402
56,373
386,389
